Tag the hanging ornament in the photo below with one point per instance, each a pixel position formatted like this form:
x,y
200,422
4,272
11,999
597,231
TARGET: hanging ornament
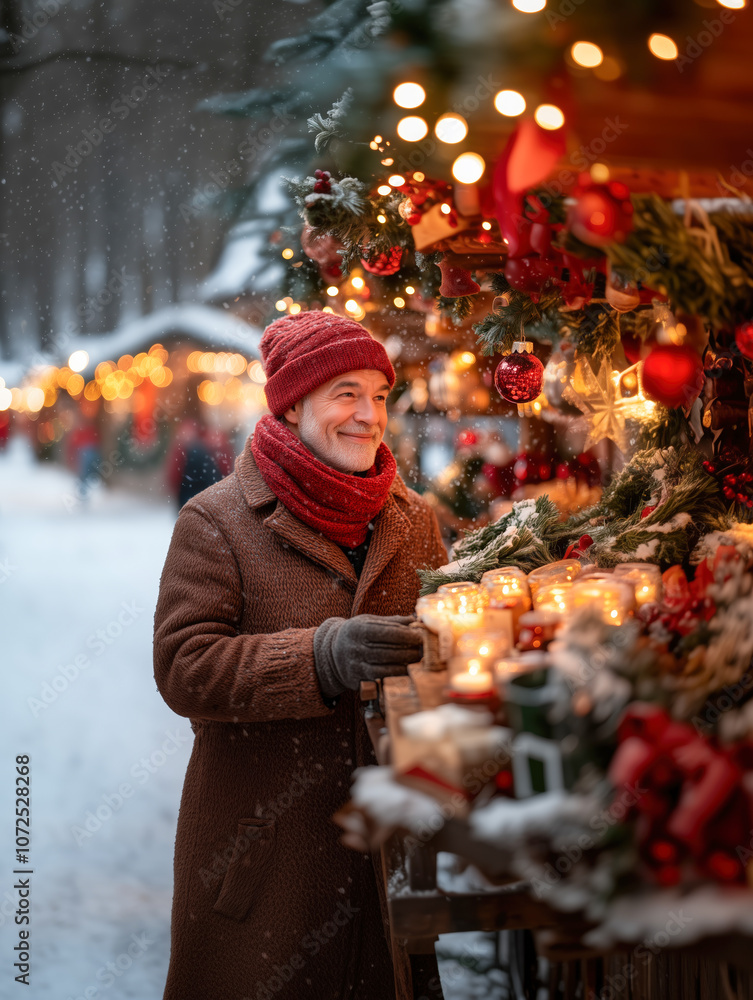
x,y
604,400
531,274
744,339
621,293
602,213
323,250
557,373
519,375
456,280
673,375
385,263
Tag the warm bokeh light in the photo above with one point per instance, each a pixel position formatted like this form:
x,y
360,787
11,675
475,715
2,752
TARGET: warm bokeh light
x,y
78,361
486,225
409,95
333,290
280,306
468,168
399,302
256,372
357,282
352,306
587,54
609,70
549,116
409,290
287,253
451,128
412,128
732,4
295,309
529,6
662,47
384,189
397,180
510,103
599,173
34,399
5,398
445,209
382,219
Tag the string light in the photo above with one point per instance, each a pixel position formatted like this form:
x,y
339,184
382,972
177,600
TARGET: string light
x,y
549,116
409,95
510,103
662,47
412,128
287,253
529,6
384,189
468,168
451,128
587,54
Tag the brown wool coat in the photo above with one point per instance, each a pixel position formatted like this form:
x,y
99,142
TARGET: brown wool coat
x,y
267,903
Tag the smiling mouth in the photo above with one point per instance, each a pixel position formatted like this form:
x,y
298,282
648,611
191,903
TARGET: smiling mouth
x,y
363,438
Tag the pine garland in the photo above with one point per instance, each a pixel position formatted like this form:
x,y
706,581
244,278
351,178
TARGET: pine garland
x,y
521,538
458,309
680,262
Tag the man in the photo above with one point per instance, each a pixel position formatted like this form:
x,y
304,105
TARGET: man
x,y
285,585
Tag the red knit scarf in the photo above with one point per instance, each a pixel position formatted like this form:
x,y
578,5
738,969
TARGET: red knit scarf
x,y
337,504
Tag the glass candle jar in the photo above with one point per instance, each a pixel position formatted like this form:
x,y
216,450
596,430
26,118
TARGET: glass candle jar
x,y
434,611
645,579
562,571
470,677
469,603
508,593
611,598
537,629
554,597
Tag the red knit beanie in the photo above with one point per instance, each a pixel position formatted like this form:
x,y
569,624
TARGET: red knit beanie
x,y
300,353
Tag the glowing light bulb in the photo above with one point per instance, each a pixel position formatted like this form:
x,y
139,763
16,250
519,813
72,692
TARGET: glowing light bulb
x,y
468,168
510,103
662,47
78,361
549,116
587,54
412,128
409,95
451,128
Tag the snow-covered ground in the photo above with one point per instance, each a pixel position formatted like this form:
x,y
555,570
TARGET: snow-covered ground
x,y
78,585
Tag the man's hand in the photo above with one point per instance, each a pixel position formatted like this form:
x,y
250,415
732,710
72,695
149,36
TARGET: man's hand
x,y
367,647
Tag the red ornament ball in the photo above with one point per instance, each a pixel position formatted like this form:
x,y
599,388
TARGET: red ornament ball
x,y
386,263
744,339
602,213
519,377
673,375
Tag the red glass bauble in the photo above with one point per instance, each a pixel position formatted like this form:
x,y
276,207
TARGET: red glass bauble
x,y
744,339
519,377
673,375
386,263
602,214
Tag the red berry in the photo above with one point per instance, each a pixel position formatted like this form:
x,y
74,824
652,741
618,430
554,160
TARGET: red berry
x,y
728,492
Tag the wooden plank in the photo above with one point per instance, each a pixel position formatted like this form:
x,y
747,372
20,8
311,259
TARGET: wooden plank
x,y
429,686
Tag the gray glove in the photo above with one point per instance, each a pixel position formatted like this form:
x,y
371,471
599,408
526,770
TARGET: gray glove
x,y
350,650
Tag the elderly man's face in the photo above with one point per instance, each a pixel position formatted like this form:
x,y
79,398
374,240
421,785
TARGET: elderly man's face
x,y
343,421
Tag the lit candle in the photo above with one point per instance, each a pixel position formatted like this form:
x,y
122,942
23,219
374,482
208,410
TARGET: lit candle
x,y
554,597
484,645
475,680
612,599
645,578
507,590
538,628
433,610
562,571
468,605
